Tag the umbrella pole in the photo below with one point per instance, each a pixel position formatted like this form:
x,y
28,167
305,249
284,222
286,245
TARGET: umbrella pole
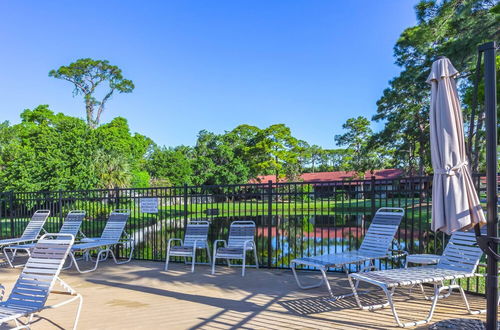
x,y
490,101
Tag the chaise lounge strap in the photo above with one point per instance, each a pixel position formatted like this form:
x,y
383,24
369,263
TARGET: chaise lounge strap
x,y
181,249
229,251
410,276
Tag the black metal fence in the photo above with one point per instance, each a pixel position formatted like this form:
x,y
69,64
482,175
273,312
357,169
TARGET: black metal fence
x,y
293,219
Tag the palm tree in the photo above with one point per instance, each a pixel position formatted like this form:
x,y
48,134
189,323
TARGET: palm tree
x,y
112,170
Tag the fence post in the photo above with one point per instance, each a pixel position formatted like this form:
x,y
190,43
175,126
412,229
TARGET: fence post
x,y
373,195
185,204
11,212
117,197
60,208
270,222
117,203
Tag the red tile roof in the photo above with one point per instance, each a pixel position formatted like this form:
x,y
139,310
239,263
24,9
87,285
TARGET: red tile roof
x,y
335,176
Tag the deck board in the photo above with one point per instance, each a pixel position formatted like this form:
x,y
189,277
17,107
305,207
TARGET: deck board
x,y
140,295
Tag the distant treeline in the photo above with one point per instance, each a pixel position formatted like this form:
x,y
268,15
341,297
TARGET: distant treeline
x,y
48,151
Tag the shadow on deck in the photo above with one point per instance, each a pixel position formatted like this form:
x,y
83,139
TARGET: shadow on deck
x,y
140,295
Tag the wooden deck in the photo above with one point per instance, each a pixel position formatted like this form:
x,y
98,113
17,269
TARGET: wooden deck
x,y
140,295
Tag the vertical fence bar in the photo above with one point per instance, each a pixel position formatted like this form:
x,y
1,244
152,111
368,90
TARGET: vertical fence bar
x,y
11,214
185,204
117,203
373,195
270,222
60,205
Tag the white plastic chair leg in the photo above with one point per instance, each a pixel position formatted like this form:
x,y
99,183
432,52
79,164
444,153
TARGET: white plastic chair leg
x,y
213,265
243,264
302,286
167,259
256,258
208,255
193,259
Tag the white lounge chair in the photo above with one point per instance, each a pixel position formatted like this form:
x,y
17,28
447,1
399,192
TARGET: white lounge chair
x,y
71,225
459,260
240,241
35,283
113,234
31,232
195,238
376,245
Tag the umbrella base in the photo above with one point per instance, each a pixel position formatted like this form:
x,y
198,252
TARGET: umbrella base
x,y
460,324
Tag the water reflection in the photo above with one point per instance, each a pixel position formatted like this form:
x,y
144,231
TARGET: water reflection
x,y
294,236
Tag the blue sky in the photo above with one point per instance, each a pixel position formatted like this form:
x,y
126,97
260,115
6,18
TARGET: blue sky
x,y
208,64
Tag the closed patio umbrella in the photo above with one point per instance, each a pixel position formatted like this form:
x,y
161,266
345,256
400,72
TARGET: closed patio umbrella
x,y
455,204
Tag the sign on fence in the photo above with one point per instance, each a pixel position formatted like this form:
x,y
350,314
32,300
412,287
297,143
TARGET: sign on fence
x,y
149,205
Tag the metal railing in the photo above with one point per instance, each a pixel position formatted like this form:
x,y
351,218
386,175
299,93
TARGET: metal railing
x,y
294,219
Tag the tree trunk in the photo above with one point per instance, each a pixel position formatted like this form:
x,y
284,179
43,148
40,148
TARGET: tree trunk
x,y
89,108
474,106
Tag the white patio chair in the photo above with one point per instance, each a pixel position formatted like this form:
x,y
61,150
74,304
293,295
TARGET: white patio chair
x,y
240,241
35,283
31,232
376,245
195,238
114,234
459,260
432,259
71,225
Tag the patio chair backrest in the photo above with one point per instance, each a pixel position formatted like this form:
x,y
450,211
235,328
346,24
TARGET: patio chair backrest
x,y
72,223
35,225
462,252
380,234
115,226
40,272
239,232
196,230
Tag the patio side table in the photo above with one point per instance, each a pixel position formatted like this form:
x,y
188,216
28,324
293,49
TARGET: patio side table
x,y
424,260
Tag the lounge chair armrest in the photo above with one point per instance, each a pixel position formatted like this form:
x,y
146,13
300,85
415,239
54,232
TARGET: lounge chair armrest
x,y
218,241
248,242
173,240
483,274
399,253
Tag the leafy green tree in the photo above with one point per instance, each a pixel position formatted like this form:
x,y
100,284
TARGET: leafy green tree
x,y
46,151
112,170
334,160
243,139
7,134
172,166
315,156
115,138
140,179
356,139
277,152
86,75
215,161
